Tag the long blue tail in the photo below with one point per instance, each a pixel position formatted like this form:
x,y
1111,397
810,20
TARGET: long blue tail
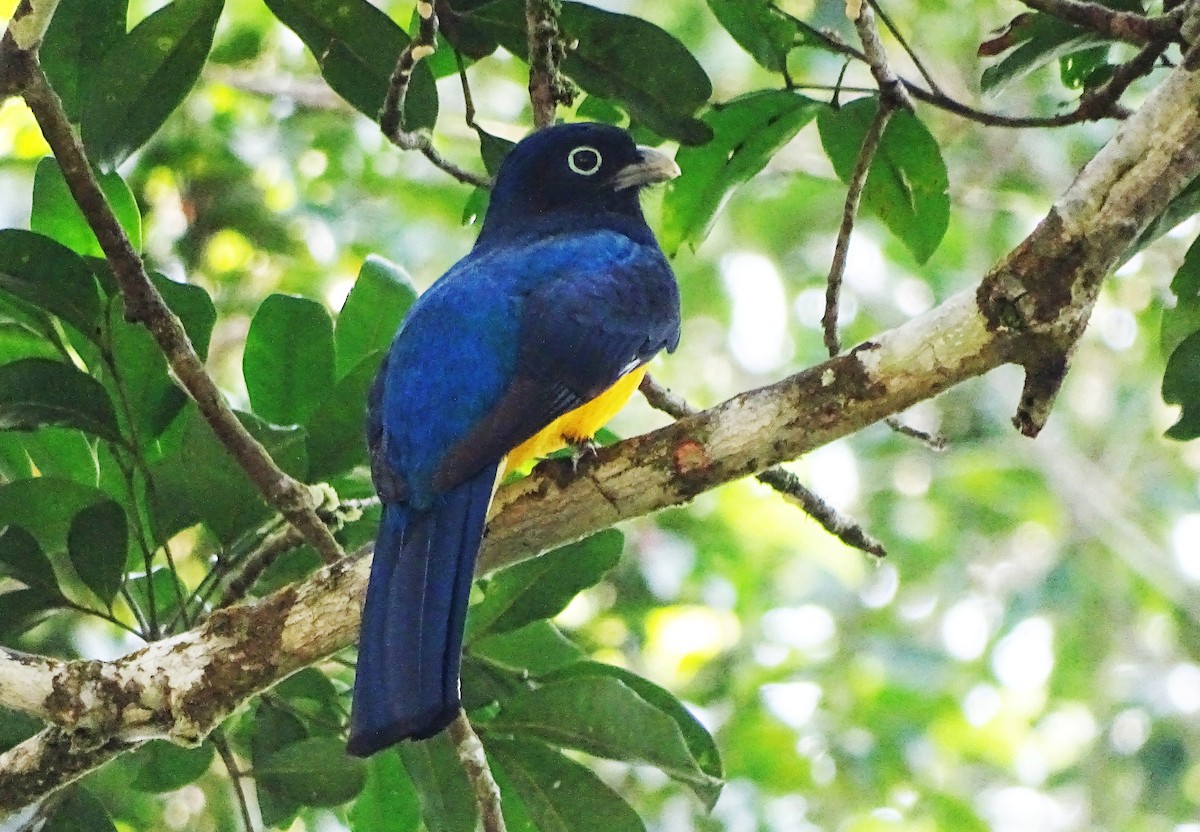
x,y
410,644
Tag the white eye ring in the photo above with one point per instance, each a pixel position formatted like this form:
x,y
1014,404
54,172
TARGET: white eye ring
x,y
581,169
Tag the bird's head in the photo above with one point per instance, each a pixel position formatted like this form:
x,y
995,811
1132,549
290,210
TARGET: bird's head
x,y
571,176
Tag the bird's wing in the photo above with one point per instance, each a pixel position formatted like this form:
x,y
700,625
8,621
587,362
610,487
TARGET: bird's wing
x,y
608,307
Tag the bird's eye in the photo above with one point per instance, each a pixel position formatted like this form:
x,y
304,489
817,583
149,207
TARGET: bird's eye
x,y
584,160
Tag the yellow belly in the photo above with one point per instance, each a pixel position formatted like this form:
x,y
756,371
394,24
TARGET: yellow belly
x,y
577,425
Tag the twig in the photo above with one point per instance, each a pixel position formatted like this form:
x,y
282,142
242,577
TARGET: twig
x,y
475,764
845,530
468,99
257,562
890,84
776,477
917,62
391,116
933,441
547,86
854,189
1093,111
463,175
1111,23
1104,100
235,776
24,34
144,304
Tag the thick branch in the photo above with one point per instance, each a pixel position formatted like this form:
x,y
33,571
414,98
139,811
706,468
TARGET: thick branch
x,y
547,86
1112,23
1033,304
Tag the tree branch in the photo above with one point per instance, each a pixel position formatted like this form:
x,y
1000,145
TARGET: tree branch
x,y
143,304
1111,23
783,481
1035,302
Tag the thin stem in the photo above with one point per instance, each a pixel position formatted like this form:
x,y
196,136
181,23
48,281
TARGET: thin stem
x,y
788,484
234,771
468,100
913,56
391,116
841,249
475,764
110,618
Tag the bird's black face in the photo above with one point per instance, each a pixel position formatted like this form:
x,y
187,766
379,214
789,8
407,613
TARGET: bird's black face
x,y
574,170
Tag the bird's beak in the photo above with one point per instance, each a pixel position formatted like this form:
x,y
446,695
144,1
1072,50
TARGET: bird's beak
x,y
654,167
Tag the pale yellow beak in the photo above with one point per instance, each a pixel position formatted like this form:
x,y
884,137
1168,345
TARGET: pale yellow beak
x,y
653,168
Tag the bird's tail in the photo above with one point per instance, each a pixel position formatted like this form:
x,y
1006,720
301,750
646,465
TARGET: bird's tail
x,y
410,643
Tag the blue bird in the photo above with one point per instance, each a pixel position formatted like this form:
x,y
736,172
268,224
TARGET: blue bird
x,y
531,342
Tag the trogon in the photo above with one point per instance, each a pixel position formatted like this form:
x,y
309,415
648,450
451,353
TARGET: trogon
x,y
529,343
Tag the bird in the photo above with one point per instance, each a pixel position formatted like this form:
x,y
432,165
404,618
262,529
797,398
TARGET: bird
x,y
528,344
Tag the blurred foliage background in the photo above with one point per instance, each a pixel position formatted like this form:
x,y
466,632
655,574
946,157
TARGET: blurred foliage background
x,y
1027,657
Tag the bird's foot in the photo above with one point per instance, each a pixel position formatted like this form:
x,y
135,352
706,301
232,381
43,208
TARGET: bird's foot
x,y
580,449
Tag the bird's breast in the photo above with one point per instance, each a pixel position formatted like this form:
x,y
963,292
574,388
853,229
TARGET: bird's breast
x,y
577,425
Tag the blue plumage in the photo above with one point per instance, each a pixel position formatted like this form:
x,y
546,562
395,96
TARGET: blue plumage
x,y
565,292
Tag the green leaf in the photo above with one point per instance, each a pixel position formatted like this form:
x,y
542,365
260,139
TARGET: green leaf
x,y
37,392
193,306
447,801
49,275
273,729
45,506
543,586
79,811
97,544
388,801
22,558
1184,318
605,717
49,452
907,183
56,215
200,482
492,149
80,34
314,772
23,609
1181,386
1082,69
747,132
289,358
144,77
356,46
699,741
309,692
537,648
1184,205
759,28
373,310
146,384
165,767
560,794
19,341
654,76
336,431
1038,40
